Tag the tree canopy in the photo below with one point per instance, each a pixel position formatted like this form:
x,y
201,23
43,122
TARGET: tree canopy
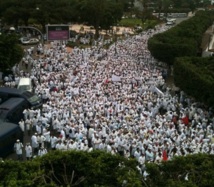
x,y
99,13
101,169
189,171
71,168
10,51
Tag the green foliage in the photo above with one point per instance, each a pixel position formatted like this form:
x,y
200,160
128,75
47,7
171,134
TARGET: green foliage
x,y
181,40
10,52
150,24
71,168
192,75
77,168
130,22
13,173
198,168
133,22
100,14
199,77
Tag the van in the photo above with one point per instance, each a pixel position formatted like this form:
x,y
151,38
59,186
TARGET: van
x,y
12,109
33,100
171,21
9,133
25,84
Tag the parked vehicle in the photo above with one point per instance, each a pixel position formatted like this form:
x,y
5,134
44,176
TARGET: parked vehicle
x,y
23,39
9,133
12,109
31,41
34,100
25,84
171,21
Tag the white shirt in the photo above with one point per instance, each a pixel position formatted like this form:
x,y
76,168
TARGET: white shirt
x,y
142,159
34,141
18,148
53,140
28,151
42,152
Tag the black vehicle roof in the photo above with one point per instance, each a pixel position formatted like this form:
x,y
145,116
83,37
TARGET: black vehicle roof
x,y
11,103
29,96
10,90
16,92
8,105
7,127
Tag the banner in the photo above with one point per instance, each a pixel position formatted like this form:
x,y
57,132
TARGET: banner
x,y
116,78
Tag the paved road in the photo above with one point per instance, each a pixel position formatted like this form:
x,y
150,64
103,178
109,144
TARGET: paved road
x,y
27,138
179,20
13,156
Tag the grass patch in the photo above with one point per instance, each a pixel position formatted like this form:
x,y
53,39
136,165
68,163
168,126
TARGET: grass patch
x,y
130,22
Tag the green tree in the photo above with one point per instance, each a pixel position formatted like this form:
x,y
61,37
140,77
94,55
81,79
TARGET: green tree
x,y
14,11
71,168
11,16
10,52
146,13
112,15
192,4
100,13
189,171
24,9
25,12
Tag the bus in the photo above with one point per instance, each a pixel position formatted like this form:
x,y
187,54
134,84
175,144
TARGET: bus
x,y
9,133
34,100
12,109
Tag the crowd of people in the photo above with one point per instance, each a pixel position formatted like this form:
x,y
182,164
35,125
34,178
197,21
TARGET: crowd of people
x,y
115,100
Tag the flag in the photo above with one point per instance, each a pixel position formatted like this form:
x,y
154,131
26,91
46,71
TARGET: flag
x,y
185,120
164,155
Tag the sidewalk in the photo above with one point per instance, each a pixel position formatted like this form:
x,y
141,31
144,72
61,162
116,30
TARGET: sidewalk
x,y
207,44
119,30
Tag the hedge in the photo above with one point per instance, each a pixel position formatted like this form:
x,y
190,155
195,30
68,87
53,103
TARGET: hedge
x,y
182,40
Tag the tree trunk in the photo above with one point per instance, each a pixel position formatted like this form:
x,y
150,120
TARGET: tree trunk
x,y
96,32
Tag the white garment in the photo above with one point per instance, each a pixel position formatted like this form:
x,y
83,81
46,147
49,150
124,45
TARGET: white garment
x,y
22,125
59,146
141,160
34,141
42,152
28,151
18,148
53,140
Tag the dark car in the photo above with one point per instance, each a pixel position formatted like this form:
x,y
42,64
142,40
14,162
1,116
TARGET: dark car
x,y
12,109
9,133
34,100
